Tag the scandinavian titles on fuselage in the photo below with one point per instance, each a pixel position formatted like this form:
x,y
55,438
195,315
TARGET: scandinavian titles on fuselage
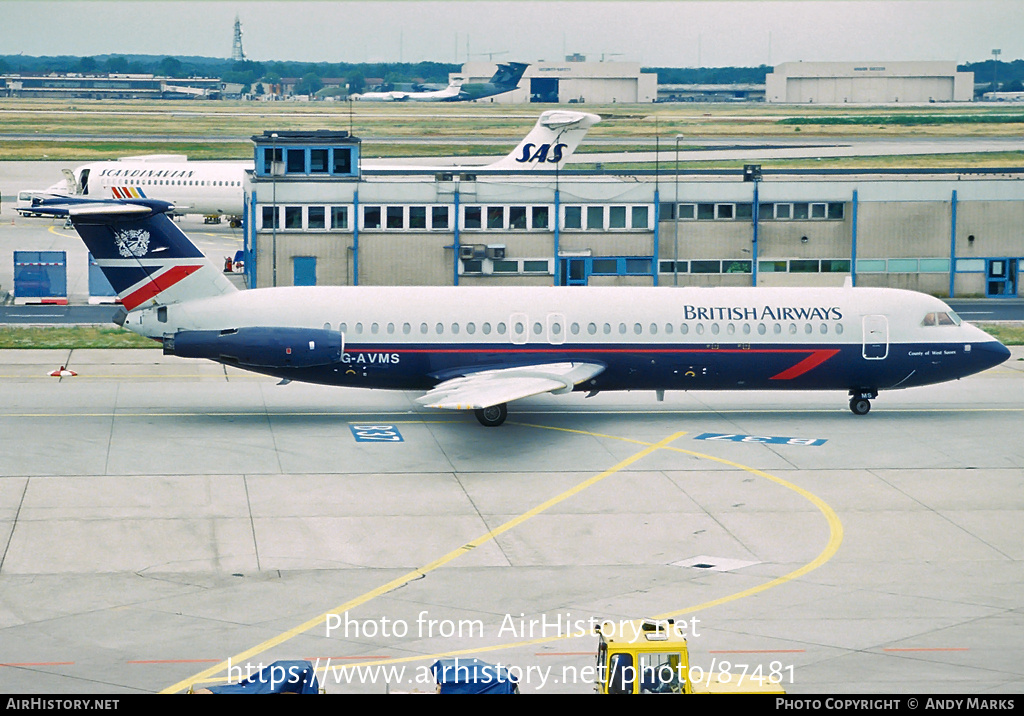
x,y
773,313
177,173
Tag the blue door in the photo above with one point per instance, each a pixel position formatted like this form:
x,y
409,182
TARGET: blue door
x,y
575,272
304,271
1001,278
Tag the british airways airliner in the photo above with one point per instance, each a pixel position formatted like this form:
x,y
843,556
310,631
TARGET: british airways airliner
x,y
216,188
480,348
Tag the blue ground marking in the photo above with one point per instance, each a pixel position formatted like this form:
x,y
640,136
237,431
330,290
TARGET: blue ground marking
x,y
376,433
729,437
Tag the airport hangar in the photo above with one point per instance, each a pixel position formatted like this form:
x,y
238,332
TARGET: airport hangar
x,y
868,83
577,80
315,217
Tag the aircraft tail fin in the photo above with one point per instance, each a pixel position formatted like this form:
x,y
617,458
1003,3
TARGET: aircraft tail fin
x,y
147,259
508,74
555,136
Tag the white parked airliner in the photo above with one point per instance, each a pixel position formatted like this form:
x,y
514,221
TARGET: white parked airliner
x,y
216,188
479,348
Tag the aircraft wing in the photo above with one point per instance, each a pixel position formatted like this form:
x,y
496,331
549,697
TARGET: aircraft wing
x,y
493,387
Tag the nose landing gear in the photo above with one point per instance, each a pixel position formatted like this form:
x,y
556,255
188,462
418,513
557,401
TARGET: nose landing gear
x,y
860,400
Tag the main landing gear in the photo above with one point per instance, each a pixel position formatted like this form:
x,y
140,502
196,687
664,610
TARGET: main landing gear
x,y
860,401
493,416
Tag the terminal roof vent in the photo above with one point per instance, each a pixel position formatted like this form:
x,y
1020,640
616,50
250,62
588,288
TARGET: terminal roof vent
x,y
715,564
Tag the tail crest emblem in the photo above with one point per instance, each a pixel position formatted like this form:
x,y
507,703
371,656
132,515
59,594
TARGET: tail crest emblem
x,y
132,242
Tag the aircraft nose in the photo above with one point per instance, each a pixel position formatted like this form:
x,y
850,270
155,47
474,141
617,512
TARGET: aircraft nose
x,y
992,353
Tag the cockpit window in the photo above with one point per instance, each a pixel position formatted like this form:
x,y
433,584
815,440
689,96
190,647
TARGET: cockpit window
x,y
940,318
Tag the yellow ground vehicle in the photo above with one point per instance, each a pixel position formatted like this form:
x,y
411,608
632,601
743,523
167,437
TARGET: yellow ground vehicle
x,y
650,657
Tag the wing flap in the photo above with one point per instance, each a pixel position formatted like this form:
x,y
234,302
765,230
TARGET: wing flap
x,y
493,387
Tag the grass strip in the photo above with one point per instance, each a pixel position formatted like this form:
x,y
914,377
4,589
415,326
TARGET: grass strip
x,y
69,337
1007,333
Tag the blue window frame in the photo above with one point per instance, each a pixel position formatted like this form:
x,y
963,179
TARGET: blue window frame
x,y
309,161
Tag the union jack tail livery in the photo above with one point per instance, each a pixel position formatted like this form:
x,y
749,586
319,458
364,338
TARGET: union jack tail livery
x,y
144,255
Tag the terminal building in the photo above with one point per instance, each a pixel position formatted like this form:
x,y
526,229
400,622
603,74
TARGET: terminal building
x,y
314,217
109,86
868,83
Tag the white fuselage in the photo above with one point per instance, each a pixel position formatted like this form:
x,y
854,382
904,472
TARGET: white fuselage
x,y
448,93
745,338
626,315
193,187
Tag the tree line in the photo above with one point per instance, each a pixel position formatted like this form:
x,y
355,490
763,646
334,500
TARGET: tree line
x,y
1007,76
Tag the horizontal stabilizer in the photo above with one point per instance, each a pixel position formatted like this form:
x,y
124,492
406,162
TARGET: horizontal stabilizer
x,y
493,387
70,206
108,208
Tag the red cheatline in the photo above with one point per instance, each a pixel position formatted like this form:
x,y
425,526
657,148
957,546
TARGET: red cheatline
x,y
815,359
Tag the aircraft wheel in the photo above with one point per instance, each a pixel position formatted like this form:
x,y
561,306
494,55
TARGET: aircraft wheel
x,y
493,416
860,406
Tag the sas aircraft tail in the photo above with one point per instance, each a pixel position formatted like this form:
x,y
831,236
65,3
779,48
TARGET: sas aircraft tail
x,y
144,255
555,136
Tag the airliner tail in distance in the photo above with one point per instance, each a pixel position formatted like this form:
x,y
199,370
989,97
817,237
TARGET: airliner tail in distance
x,y
480,348
555,136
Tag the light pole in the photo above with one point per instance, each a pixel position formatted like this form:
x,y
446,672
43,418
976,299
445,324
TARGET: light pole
x,y
995,64
752,173
675,213
273,184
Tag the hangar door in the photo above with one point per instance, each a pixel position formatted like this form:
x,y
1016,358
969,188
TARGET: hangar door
x,y
544,89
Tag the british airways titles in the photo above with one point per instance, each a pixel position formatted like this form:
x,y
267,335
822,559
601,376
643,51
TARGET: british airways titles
x,y
771,313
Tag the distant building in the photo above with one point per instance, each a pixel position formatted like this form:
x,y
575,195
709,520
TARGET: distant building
x,y
868,83
573,81
740,92
315,216
109,86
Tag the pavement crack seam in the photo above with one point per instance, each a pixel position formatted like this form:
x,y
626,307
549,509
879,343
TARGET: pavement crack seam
x,y
14,524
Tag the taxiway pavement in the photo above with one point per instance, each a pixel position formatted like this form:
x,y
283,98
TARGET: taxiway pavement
x,y
160,516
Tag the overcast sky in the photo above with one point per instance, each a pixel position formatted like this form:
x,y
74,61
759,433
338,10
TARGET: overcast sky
x,y
673,33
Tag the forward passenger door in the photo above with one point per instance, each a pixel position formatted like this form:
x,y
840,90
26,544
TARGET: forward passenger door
x,y
875,337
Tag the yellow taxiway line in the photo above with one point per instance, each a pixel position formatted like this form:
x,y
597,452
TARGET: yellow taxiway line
x,y
421,571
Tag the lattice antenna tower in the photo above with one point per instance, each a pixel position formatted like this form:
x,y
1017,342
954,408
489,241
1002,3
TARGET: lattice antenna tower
x,y
237,53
